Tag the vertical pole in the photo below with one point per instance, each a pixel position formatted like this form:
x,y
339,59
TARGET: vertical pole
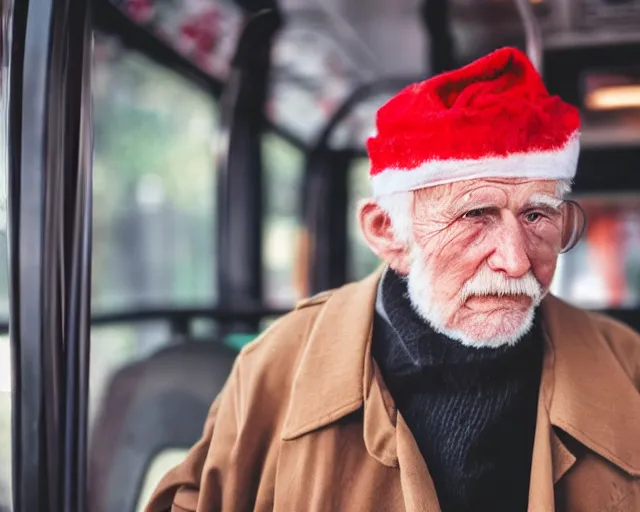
x,y
240,167
436,20
77,221
49,246
26,232
327,197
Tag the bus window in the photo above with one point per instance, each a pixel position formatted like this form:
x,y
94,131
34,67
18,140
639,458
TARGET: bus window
x,y
603,270
154,211
154,224
283,167
361,261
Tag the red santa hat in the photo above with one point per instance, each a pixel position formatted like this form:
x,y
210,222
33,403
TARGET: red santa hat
x,y
491,119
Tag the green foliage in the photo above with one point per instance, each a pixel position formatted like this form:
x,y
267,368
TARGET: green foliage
x,y
154,183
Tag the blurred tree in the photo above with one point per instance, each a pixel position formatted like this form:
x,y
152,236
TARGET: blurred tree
x,y
154,183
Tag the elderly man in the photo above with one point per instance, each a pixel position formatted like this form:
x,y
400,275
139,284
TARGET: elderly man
x,y
451,380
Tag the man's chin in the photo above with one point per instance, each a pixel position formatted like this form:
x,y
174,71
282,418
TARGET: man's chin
x,y
479,321
494,329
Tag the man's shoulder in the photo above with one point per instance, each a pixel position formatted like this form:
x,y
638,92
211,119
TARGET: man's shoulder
x,y
279,347
266,370
622,341
315,300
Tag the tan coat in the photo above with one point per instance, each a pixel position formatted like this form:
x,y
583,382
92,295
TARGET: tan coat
x,y
306,424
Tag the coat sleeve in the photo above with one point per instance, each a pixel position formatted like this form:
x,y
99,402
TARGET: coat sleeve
x,y
197,483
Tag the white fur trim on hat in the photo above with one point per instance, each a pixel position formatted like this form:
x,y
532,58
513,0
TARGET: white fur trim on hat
x,y
558,164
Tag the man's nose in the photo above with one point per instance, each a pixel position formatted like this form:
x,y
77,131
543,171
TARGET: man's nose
x,y
510,254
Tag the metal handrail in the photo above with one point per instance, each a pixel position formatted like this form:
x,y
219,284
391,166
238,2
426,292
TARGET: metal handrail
x,y
174,314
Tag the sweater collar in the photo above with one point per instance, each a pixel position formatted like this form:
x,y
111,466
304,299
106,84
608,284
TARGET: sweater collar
x,y
405,345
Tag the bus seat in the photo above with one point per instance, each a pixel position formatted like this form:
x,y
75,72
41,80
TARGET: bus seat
x,y
151,406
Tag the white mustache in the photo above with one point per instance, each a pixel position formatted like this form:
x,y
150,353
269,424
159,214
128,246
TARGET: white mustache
x,y
488,282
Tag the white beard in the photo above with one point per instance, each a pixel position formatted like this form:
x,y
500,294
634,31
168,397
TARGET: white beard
x,y
420,285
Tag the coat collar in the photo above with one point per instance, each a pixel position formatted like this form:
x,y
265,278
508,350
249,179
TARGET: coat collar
x,y
589,395
329,382
584,390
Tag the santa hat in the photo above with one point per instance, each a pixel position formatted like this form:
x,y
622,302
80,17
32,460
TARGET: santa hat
x,y
491,119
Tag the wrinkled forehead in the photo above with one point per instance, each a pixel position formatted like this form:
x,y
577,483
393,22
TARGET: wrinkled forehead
x,y
506,192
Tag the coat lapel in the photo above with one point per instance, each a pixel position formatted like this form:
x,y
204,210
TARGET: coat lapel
x,y
583,393
592,399
417,485
541,485
551,459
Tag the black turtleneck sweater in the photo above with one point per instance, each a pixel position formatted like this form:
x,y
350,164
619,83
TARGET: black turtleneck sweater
x,y
471,410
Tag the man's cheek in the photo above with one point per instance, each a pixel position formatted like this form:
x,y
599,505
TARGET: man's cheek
x,y
453,269
461,243
544,271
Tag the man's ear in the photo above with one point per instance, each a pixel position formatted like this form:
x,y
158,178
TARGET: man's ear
x,y
378,232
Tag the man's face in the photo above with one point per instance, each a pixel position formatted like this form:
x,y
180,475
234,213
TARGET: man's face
x,y
483,255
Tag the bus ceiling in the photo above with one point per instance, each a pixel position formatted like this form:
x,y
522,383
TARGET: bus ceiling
x,y
325,51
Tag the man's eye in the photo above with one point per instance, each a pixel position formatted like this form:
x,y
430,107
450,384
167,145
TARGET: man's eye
x,y
474,214
533,216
